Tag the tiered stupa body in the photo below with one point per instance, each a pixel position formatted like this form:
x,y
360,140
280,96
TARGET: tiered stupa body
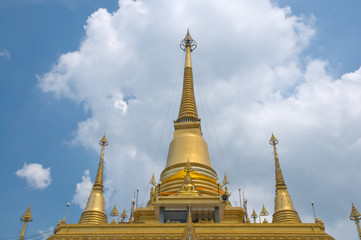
x,y
188,201
188,144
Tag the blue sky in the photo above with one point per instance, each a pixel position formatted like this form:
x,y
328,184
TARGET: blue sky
x,y
43,123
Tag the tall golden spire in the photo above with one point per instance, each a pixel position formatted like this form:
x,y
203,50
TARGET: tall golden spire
x,y
94,212
188,108
284,210
356,216
188,143
26,217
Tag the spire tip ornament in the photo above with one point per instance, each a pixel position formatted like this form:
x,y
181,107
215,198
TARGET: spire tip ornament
x,y
103,141
188,41
273,140
356,217
26,217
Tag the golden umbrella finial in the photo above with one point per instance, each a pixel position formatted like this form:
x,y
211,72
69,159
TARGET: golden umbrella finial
x,y
26,217
273,140
114,212
254,216
123,216
152,181
103,141
225,180
356,216
263,213
188,41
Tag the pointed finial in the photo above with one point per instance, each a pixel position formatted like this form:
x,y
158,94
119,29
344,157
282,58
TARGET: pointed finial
x,y
355,215
103,141
273,140
124,215
188,167
254,216
114,212
189,219
225,180
264,212
188,41
152,181
27,217
280,182
189,231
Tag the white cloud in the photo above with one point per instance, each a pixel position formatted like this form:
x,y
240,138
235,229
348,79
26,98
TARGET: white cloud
x,y
82,190
248,68
35,175
46,233
4,53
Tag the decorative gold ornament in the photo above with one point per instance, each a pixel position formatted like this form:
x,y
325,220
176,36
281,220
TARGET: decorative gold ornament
x,y
356,217
114,213
254,216
263,213
152,181
124,216
26,217
225,180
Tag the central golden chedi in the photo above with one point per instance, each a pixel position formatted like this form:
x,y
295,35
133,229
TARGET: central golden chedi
x,y
189,202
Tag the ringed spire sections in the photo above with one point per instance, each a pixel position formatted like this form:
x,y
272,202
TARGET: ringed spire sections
x,y
188,108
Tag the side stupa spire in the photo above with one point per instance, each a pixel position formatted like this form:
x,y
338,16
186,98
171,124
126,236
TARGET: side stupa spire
x,y
188,108
94,212
356,217
284,211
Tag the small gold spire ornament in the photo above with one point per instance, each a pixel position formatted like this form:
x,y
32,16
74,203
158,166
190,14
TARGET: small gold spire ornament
x,y
124,216
254,216
152,181
284,211
26,217
114,213
356,217
263,213
225,180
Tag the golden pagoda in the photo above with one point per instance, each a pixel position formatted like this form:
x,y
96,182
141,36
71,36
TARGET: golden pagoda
x,y
189,201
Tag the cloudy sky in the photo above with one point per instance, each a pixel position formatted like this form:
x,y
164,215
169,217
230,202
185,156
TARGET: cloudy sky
x,y
74,70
